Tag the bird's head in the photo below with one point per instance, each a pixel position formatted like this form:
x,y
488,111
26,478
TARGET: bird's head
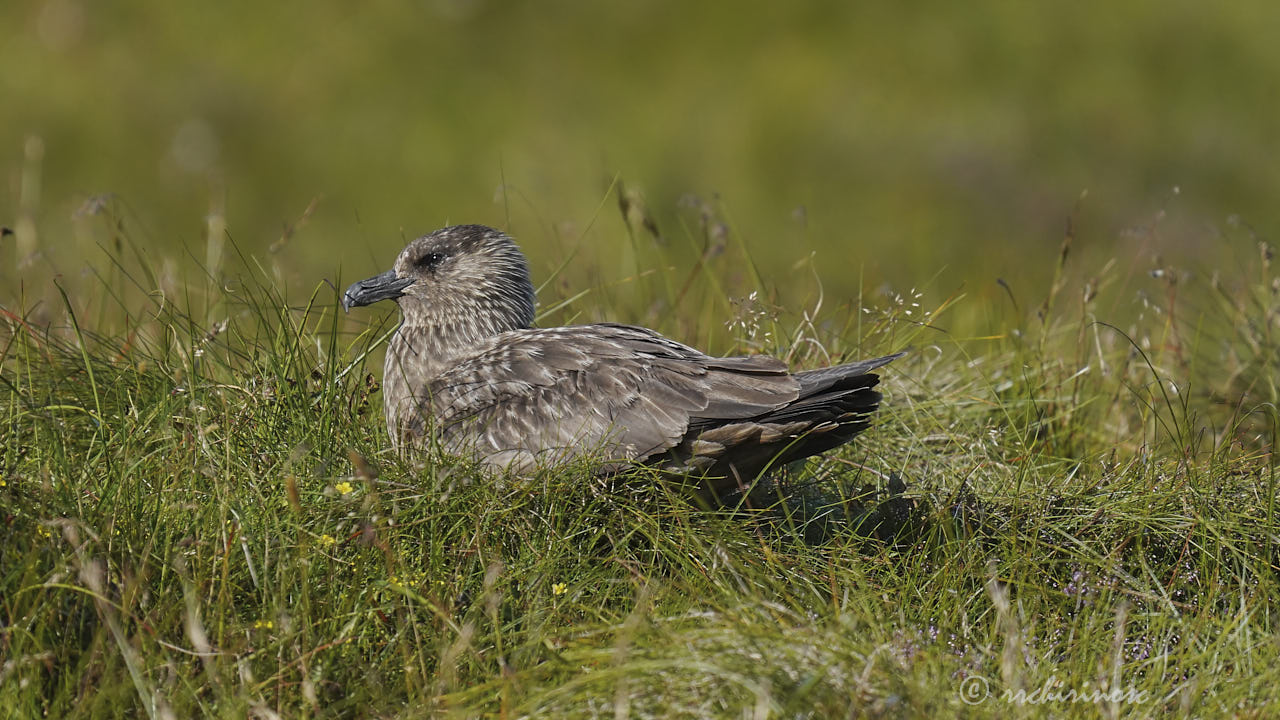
x,y
469,278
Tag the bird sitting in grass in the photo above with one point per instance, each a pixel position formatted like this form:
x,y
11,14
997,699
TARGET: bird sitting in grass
x,y
467,367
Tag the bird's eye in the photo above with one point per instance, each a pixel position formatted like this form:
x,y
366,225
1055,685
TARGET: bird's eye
x,y
430,261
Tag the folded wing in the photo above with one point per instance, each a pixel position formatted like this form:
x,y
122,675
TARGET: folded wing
x,y
618,392
626,394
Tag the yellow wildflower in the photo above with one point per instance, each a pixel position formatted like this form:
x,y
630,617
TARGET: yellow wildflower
x,y
344,487
559,589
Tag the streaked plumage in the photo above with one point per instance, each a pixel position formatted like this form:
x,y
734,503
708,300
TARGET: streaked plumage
x,y
466,365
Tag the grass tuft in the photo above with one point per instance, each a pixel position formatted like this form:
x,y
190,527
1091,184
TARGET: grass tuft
x,y
201,518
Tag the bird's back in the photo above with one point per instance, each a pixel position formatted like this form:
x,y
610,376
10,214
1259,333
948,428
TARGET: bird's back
x,y
624,394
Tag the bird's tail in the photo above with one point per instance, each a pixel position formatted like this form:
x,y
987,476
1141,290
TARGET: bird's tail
x,y
813,382
837,402
833,405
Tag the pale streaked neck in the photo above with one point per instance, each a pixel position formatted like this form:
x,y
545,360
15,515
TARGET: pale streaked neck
x,y
436,346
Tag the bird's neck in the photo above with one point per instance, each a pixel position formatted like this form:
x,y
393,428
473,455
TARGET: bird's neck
x,y
433,348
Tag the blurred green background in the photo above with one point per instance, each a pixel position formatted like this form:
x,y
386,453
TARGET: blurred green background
x,y
926,143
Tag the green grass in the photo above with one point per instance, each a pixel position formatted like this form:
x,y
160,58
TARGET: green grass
x,y
914,136
201,519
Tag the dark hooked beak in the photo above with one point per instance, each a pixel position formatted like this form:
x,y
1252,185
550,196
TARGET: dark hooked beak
x,y
387,286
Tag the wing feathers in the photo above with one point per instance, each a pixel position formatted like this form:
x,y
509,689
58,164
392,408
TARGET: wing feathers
x,y
530,395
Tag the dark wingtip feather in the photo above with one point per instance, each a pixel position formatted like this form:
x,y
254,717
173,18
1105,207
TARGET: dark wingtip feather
x,y
840,376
